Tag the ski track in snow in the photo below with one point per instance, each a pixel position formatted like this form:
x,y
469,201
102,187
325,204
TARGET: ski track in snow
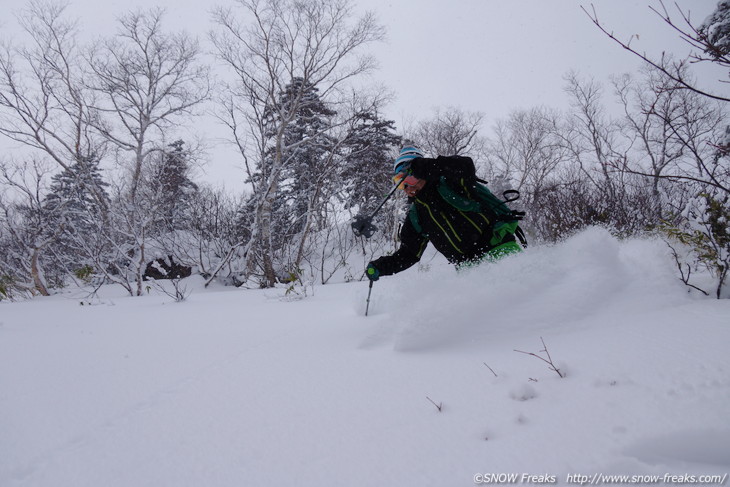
x,y
238,388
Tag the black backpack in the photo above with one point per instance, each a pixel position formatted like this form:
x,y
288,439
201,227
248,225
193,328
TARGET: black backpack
x,y
475,196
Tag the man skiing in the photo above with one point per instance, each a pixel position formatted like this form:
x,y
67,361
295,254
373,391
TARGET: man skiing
x,y
446,211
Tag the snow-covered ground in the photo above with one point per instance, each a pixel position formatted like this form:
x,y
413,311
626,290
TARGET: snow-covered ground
x,y
251,388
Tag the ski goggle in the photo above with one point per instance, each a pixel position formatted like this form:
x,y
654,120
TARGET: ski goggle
x,y
404,180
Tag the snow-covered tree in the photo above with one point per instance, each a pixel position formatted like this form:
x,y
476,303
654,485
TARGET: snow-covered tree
x,y
170,176
315,42
367,169
713,34
308,154
705,233
28,228
146,80
73,196
72,188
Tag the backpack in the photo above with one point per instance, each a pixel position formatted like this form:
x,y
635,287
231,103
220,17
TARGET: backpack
x,y
507,220
475,196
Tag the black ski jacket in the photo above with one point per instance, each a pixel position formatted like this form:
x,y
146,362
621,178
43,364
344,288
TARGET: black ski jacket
x,y
461,236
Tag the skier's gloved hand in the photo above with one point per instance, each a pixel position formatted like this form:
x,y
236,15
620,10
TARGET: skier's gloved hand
x,y
372,273
363,226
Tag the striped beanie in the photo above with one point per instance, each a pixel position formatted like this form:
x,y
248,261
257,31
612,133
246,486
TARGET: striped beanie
x,y
407,154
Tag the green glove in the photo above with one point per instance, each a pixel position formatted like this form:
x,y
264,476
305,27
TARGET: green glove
x,y
372,273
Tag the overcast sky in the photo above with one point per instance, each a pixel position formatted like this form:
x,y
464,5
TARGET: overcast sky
x,y
490,56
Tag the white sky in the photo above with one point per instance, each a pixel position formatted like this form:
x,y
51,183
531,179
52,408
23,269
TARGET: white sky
x,y
491,56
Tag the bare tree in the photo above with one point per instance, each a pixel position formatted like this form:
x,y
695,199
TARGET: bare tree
x,y
313,42
31,225
601,148
710,45
528,149
450,131
672,129
146,81
43,102
707,47
594,140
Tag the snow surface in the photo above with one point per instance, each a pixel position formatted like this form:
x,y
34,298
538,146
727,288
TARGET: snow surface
x,y
251,388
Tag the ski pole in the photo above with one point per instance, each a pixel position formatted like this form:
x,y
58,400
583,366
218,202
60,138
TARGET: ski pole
x,y
363,225
367,303
392,191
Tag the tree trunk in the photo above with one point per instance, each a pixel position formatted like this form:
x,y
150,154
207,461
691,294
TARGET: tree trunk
x,y
307,228
37,273
267,250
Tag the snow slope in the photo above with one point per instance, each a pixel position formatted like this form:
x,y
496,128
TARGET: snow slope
x,y
247,388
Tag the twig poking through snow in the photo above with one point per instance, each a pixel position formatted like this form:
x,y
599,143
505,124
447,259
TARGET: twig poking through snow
x,y
487,366
439,406
549,359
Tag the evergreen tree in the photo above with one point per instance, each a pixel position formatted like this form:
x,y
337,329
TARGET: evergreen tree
x,y
308,159
171,181
715,32
74,203
367,169
72,188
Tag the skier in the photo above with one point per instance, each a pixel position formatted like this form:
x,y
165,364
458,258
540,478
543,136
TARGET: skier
x,y
446,211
